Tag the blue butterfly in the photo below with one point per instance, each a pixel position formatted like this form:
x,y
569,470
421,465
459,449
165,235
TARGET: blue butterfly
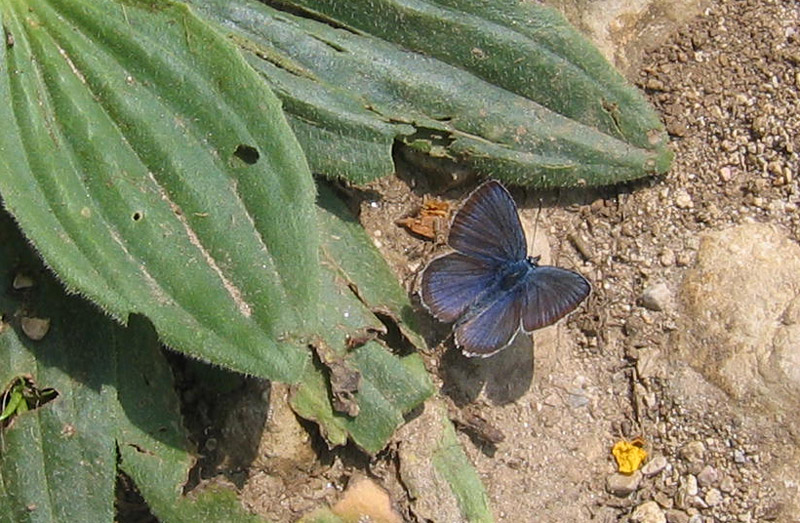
x,y
490,287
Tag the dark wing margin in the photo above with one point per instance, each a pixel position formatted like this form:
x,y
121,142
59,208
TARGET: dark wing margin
x,y
550,294
493,328
453,282
487,226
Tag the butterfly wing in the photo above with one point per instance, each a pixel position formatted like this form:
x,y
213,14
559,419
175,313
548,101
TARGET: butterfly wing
x,y
487,226
493,328
451,283
550,294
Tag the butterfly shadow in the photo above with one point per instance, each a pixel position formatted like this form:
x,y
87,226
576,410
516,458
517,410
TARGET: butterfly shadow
x,y
503,378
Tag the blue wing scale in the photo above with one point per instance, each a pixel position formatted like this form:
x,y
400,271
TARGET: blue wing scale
x,y
491,329
550,294
487,226
453,282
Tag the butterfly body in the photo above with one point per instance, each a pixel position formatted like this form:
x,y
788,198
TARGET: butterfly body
x,y
489,287
507,279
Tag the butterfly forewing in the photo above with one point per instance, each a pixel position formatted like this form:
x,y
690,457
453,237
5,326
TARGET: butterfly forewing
x,y
550,294
493,328
487,226
451,283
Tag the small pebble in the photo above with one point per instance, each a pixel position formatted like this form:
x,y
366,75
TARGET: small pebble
x,y
677,516
687,492
648,512
738,456
708,476
690,485
656,297
35,328
693,452
654,466
664,500
727,485
713,497
683,200
667,257
576,398
22,281
622,485
683,259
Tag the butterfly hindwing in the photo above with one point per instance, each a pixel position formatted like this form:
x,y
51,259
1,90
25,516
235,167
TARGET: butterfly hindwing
x,y
550,294
453,282
487,226
493,328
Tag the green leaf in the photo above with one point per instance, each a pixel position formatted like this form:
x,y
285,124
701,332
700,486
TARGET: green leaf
x,y
322,515
13,401
438,476
114,395
507,87
153,447
156,174
452,463
349,253
357,283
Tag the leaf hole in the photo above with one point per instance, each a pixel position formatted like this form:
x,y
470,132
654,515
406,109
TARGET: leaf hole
x,y
22,395
394,338
137,216
247,153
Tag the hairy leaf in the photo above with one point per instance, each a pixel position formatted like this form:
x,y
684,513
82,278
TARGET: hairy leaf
x,y
357,283
452,463
507,87
115,400
156,174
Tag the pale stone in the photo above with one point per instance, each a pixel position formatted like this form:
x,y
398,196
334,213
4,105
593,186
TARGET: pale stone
x,y
616,26
741,314
654,466
35,328
648,512
656,297
622,485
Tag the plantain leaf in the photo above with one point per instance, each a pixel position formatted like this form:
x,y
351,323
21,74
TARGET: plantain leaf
x,y
438,476
509,88
322,515
58,462
153,448
452,463
357,283
156,174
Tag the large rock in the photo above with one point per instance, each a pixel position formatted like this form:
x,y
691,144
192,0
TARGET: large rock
x,y
624,30
740,321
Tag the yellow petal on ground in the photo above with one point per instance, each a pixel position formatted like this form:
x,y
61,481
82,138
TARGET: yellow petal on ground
x,y
630,455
